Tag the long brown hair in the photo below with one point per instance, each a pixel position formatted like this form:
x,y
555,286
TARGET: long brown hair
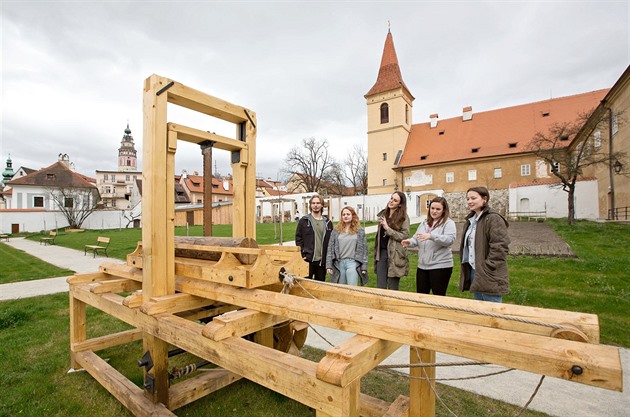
x,y
445,212
400,214
354,223
483,193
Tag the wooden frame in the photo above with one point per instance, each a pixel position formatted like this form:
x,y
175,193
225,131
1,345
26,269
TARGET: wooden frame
x,y
169,294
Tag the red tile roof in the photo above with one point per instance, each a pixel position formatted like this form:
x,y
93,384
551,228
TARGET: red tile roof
x,y
194,183
491,132
56,175
389,75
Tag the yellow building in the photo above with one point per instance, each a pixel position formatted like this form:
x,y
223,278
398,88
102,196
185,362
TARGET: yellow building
x,y
487,148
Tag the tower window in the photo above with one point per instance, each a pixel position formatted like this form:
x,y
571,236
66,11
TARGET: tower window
x,y
384,113
406,114
384,156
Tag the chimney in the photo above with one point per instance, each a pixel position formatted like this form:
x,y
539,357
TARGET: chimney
x,y
434,120
226,185
467,113
65,159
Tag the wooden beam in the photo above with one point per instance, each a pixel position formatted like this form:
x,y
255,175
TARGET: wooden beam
x,y
193,388
380,300
107,341
125,391
353,359
115,285
399,408
197,136
600,364
116,270
90,277
78,330
421,383
174,303
239,323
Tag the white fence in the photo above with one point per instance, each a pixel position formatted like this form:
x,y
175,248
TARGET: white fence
x,y
35,221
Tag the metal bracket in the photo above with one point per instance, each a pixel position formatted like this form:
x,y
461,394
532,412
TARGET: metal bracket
x,y
146,361
149,383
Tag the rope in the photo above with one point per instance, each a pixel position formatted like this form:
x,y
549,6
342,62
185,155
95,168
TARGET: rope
x,y
180,372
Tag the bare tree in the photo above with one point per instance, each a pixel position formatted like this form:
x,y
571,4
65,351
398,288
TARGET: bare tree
x,y
356,169
568,149
309,164
335,180
75,203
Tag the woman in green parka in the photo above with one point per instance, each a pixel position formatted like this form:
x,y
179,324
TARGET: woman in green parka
x,y
391,261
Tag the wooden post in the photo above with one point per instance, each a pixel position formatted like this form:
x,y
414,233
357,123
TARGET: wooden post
x,y
206,151
78,321
421,383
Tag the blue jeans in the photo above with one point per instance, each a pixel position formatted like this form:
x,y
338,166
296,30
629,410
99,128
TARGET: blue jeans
x,y
348,271
482,296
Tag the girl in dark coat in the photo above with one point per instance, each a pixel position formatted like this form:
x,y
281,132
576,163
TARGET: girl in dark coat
x,y
484,249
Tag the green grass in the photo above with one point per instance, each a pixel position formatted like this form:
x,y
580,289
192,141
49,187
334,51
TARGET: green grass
x,y
20,266
34,358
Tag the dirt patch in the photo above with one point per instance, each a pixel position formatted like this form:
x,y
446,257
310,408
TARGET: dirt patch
x,y
530,238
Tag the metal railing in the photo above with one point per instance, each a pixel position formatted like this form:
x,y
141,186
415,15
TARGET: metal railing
x,y
621,213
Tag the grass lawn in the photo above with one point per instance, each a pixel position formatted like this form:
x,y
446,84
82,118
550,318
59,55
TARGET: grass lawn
x,y
20,266
34,358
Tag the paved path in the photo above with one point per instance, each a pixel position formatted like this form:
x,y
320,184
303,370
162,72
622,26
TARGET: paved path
x,y
556,397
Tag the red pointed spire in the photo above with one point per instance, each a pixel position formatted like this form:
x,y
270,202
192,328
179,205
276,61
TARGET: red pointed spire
x,y
389,76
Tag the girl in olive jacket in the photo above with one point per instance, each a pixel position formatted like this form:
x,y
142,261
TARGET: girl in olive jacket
x,y
484,249
391,261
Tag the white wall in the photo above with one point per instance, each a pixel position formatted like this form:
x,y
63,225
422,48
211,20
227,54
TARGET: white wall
x,y
35,221
555,201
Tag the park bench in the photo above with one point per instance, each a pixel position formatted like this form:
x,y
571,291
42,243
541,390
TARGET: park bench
x,y
5,237
101,245
48,240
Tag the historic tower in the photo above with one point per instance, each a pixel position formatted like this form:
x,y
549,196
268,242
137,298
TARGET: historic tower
x,y
8,173
389,105
127,160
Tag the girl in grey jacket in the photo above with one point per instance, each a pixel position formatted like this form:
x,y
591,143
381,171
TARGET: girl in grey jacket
x,y
347,260
434,238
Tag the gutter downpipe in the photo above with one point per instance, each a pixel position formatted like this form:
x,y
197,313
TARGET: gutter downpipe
x,y
611,172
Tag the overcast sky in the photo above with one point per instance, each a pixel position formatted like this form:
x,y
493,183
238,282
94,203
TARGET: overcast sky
x,y
73,72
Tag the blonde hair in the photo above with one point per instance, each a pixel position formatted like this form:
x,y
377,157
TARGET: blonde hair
x,y
354,223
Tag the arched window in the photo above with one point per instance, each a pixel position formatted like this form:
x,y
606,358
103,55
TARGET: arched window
x,y
384,113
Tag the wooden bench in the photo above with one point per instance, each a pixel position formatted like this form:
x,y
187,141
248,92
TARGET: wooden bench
x,y
5,237
101,244
48,240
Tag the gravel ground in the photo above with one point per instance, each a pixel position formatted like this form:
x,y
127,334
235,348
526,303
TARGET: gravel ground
x,y
530,238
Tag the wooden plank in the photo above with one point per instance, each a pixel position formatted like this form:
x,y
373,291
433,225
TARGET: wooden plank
x,y
399,408
372,407
353,359
90,277
117,270
239,323
115,285
539,354
107,341
131,396
421,383
248,156
174,303
197,136
379,299
78,329
133,300
204,103
208,381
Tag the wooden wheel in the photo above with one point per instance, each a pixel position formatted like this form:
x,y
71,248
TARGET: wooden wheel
x,y
290,336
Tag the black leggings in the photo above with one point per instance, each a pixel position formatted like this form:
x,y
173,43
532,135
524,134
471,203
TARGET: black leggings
x,y
435,280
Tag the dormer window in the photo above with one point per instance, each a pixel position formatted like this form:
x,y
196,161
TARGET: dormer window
x,y
50,177
512,145
545,113
423,157
564,138
441,133
475,150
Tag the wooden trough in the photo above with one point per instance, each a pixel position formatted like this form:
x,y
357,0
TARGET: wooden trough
x,y
220,300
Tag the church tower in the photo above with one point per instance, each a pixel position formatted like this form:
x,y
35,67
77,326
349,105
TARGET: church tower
x,y
8,173
127,160
389,105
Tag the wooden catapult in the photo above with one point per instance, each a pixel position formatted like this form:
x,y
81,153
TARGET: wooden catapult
x,y
220,299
